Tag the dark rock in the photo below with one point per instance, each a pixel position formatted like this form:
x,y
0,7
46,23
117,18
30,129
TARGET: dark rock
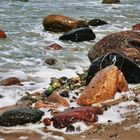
x,y
54,47
130,70
10,81
78,35
70,116
124,42
65,93
1,96
96,22
20,116
47,92
136,27
60,23
2,34
70,128
47,121
110,1
50,61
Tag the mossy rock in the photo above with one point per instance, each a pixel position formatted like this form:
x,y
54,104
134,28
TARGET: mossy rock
x,y
110,1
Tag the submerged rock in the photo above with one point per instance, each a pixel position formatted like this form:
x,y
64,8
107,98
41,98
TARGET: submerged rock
x,y
10,81
78,35
2,34
96,22
103,86
70,116
50,61
60,23
20,116
130,70
110,1
54,47
136,27
124,42
1,96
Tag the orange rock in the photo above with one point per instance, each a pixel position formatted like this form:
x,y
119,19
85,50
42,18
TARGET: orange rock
x,y
103,86
54,47
2,34
136,27
10,81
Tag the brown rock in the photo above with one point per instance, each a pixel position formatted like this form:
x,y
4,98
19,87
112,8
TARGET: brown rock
x,y
122,42
10,81
2,34
56,98
136,27
60,23
54,47
50,61
103,86
110,1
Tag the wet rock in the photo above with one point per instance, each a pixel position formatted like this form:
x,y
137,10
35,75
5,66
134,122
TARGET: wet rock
x,y
78,35
60,23
136,27
10,81
124,42
96,22
2,34
110,1
130,70
70,116
56,98
70,128
1,96
50,61
47,121
20,116
54,47
103,86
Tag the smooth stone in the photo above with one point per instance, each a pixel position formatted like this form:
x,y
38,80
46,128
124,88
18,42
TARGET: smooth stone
x,y
110,1
50,61
96,22
78,35
2,34
54,46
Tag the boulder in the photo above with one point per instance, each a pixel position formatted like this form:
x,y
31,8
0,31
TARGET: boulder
x,y
96,22
20,116
54,46
124,42
110,1
2,34
10,81
50,61
130,70
136,27
60,23
78,35
103,86
72,115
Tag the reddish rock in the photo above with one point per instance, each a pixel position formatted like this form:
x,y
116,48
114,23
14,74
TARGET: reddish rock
x,y
121,42
54,47
66,118
60,23
2,34
10,81
136,27
47,121
103,86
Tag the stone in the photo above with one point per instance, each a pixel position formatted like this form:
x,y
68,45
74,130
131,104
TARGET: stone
x,y
2,34
136,27
47,121
96,22
124,42
78,35
110,1
54,46
1,96
130,70
50,61
72,115
56,98
20,116
10,81
60,23
103,86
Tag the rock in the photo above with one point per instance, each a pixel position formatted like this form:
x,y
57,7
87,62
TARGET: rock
x,y
1,96
70,116
124,42
103,86
56,98
60,23
50,61
110,1
96,22
47,121
78,35
2,34
20,116
130,70
136,27
10,81
54,47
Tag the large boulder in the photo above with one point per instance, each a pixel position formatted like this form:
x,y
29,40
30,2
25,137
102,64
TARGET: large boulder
x,y
130,70
110,1
2,34
125,42
103,86
78,35
20,116
60,23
